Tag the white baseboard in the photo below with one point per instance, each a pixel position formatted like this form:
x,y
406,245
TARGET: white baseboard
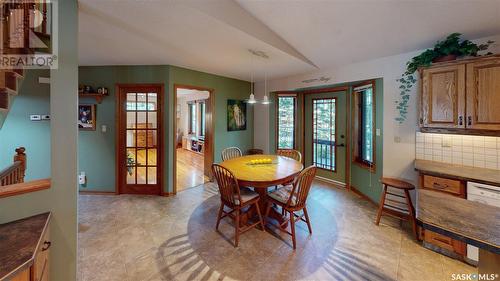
x,y
334,182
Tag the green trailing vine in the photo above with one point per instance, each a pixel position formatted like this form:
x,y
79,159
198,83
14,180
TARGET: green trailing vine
x,y
451,46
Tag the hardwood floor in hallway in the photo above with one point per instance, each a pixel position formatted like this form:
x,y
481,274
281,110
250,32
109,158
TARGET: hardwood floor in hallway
x,y
189,169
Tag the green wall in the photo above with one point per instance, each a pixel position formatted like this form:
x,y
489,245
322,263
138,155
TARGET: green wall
x,y
61,198
361,178
224,89
18,130
97,149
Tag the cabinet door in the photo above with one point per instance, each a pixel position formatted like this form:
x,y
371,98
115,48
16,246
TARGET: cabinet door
x,y
443,97
483,95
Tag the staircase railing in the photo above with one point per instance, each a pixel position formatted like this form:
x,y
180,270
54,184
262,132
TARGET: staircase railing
x,y
14,173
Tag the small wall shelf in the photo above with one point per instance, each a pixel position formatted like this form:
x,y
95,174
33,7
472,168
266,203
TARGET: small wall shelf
x,y
98,97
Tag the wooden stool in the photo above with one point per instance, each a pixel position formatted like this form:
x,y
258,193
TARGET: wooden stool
x,y
395,208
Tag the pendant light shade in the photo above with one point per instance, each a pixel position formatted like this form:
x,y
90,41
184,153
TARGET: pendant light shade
x,y
252,99
266,100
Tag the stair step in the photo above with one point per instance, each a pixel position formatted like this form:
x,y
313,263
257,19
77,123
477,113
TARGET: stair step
x,y
4,100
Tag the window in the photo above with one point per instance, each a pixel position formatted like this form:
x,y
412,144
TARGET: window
x,y
364,125
324,122
286,122
202,118
192,117
140,105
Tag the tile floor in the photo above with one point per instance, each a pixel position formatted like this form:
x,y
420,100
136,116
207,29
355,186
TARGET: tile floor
x,y
131,238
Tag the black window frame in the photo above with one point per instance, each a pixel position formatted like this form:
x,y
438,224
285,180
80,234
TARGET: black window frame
x,y
359,114
294,136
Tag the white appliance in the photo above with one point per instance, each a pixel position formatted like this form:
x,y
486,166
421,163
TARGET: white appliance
x,y
486,194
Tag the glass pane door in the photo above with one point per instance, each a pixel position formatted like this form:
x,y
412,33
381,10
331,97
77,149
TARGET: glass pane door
x,y
324,133
141,131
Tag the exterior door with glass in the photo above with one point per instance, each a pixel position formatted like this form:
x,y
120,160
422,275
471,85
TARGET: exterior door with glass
x,y
140,145
325,133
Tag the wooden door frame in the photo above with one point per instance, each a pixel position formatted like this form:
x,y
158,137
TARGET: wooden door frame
x,y
208,156
345,89
119,140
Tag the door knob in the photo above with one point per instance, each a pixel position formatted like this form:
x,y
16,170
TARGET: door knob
x,y
341,145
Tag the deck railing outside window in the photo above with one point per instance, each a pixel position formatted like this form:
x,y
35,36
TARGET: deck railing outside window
x,y
324,133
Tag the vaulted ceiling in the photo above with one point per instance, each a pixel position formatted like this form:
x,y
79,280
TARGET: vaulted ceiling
x,y
297,36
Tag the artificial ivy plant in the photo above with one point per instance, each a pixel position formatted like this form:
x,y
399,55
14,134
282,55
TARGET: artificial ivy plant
x,y
452,47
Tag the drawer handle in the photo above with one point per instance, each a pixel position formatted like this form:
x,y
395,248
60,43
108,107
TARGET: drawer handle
x,y
46,245
442,240
437,185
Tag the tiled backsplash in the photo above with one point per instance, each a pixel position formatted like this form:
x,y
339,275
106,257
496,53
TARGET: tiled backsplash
x,y
477,151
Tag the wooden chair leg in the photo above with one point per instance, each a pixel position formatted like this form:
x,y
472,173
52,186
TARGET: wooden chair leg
x,y
381,205
260,216
219,216
237,227
411,213
268,209
292,228
308,221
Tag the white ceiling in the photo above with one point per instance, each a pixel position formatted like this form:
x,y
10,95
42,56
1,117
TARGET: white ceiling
x,y
298,36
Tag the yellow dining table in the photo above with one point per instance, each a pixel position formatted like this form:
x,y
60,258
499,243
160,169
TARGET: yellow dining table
x,y
281,170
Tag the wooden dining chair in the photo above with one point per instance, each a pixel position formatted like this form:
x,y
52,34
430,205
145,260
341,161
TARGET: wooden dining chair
x,y
290,153
236,199
230,153
292,198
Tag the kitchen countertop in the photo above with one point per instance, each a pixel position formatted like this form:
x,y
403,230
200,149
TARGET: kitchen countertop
x,y
468,221
466,173
19,241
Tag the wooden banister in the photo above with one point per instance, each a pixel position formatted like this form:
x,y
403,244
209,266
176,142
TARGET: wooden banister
x,y
15,173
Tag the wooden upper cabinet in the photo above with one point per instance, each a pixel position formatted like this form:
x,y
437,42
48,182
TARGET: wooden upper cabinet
x,y
443,97
483,95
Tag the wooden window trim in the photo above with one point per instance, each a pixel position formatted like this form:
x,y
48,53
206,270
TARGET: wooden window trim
x,y
191,130
278,95
356,117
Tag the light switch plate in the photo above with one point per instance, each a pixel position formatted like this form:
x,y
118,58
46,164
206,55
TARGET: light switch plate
x,y
35,117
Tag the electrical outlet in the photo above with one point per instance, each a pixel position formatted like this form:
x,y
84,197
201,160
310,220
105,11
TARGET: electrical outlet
x,y
377,132
35,117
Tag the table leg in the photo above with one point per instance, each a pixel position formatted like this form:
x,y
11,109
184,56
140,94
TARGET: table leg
x,y
263,202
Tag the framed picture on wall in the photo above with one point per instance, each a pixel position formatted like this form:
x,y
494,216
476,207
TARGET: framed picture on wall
x,y
86,117
236,115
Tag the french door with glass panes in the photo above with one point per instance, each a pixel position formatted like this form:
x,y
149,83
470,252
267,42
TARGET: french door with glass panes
x,y
140,144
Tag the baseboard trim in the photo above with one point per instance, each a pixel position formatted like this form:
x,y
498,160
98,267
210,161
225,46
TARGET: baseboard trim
x,y
334,182
168,194
93,192
362,195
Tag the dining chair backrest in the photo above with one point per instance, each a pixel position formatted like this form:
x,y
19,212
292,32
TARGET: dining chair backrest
x,y
290,153
230,153
228,185
301,187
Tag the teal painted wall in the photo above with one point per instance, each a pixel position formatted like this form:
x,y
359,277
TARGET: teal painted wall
x,y
97,149
61,198
362,179
18,130
224,89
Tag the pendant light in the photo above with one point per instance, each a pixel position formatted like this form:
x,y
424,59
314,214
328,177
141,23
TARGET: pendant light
x,y
266,98
251,99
